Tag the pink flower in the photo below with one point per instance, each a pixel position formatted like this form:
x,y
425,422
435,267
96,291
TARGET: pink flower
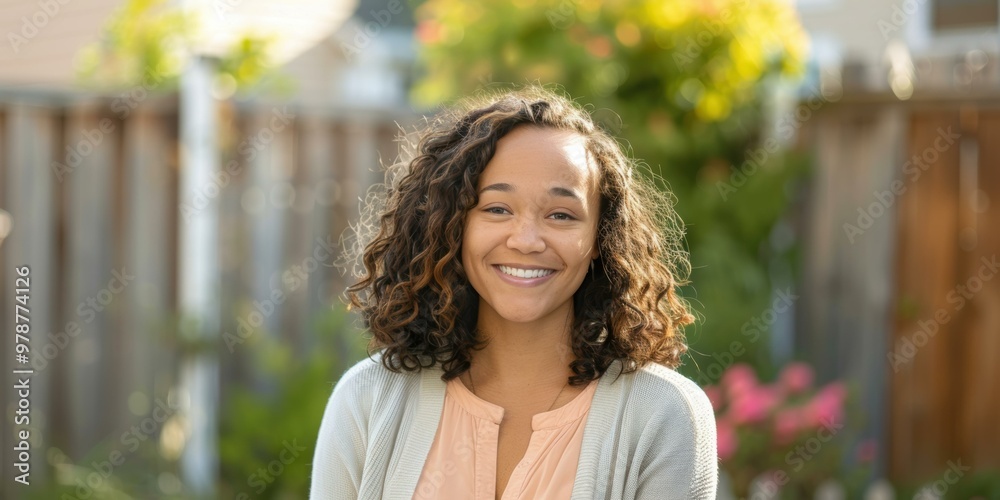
x,y
797,377
787,424
726,439
867,450
714,394
753,405
738,378
828,405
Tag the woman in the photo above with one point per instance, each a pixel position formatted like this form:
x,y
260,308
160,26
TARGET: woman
x,y
520,289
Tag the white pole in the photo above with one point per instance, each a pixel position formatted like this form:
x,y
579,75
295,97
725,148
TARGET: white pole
x,y
199,275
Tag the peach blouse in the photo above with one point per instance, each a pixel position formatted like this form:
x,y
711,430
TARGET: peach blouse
x,y
463,457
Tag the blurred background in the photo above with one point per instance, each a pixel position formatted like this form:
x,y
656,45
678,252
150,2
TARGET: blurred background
x,y
178,181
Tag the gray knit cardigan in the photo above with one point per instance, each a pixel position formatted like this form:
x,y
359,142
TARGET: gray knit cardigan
x,y
648,435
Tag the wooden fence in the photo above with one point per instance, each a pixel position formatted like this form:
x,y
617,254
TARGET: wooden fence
x,y
91,184
946,340
901,212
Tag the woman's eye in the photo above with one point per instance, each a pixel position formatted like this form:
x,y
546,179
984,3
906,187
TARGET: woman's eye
x,y
491,210
565,216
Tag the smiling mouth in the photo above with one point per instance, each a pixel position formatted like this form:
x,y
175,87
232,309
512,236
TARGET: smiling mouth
x,y
525,273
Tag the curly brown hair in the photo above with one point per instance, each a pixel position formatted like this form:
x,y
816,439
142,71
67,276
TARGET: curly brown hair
x,y
418,303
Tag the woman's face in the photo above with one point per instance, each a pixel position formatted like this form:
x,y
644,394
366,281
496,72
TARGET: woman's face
x,y
528,244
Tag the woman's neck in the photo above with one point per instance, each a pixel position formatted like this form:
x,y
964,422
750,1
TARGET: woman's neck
x,y
523,357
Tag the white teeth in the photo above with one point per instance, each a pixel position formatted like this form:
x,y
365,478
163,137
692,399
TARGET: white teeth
x,y
525,273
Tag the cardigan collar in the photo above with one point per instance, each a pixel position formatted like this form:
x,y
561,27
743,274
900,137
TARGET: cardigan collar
x,y
407,467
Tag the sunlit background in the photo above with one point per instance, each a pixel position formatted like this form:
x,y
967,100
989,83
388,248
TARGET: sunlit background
x,y
180,178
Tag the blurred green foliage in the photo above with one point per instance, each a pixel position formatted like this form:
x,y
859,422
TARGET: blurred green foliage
x,y
148,42
683,82
127,464
268,435
979,484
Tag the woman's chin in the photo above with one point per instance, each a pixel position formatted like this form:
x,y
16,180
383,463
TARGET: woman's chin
x,y
515,314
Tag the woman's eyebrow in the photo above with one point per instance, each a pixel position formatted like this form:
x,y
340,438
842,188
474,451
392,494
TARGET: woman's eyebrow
x,y
567,193
503,187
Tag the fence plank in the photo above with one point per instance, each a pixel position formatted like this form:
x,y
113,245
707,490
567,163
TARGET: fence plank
x,y
846,280
28,185
89,266
318,185
978,328
269,173
923,404
150,184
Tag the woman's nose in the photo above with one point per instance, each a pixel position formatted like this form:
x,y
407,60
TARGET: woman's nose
x,y
525,237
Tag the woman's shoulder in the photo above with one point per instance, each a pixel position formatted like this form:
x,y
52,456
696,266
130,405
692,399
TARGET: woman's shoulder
x,y
675,419
668,394
370,375
363,369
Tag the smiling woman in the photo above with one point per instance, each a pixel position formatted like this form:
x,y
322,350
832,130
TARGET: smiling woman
x,y
520,285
